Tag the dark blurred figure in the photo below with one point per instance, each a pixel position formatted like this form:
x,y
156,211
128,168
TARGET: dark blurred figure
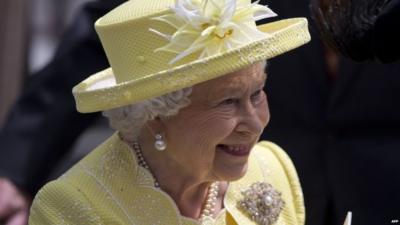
x,y
360,29
43,125
339,120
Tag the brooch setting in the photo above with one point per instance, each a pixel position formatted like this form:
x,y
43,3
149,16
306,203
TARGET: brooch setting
x,y
262,203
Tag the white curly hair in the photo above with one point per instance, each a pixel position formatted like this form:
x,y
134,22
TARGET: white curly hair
x,y
130,119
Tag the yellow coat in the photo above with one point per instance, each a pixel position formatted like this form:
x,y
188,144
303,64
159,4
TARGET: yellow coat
x,y
108,187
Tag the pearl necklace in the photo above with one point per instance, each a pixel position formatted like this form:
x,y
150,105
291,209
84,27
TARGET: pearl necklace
x,y
209,206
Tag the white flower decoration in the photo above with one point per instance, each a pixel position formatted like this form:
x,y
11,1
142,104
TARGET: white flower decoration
x,y
212,26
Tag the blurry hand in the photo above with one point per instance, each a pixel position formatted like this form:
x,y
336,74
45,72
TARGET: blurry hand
x,y
14,206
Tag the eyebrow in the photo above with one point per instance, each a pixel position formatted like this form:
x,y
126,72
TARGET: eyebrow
x,y
236,89
230,91
264,77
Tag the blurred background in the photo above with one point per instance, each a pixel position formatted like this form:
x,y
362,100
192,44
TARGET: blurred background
x,y
29,33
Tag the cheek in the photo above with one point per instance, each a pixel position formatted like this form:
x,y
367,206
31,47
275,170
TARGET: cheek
x,y
215,127
263,113
195,138
203,130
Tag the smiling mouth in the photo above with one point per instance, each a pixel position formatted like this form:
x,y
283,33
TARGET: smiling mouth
x,y
235,150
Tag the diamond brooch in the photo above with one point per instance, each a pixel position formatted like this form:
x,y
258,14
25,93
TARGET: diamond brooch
x,y
262,203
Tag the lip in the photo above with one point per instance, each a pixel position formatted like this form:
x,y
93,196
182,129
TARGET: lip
x,y
235,150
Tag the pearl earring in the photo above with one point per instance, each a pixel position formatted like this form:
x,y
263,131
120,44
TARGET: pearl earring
x,y
160,144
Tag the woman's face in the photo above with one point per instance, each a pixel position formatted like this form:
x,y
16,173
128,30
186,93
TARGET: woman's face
x,y
212,137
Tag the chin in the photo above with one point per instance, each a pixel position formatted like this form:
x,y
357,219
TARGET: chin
x,y
231,173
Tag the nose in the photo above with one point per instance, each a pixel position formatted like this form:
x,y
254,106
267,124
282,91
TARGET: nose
x,y
252,120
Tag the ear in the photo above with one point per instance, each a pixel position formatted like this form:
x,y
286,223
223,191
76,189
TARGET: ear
x,y
155,126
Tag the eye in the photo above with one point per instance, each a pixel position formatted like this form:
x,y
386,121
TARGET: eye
x,y
257,96
229,101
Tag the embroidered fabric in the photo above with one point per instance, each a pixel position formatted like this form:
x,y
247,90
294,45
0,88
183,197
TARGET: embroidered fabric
x,y
108,187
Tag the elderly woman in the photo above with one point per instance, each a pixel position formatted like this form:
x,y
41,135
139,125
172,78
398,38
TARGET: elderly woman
x,y
185,94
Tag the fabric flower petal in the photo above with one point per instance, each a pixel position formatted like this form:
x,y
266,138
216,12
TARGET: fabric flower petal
x,y
262,12
171,20
211,27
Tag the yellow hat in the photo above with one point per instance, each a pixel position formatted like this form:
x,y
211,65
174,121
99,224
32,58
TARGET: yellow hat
x,y
158,46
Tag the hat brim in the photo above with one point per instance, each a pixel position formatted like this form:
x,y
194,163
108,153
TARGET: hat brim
x,y
100,91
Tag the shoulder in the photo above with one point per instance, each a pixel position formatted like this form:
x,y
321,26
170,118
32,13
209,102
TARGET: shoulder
x,y
95,191
277,155
74,197
61,203
281,171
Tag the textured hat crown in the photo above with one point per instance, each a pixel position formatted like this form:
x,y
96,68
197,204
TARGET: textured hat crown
x,y
128,43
